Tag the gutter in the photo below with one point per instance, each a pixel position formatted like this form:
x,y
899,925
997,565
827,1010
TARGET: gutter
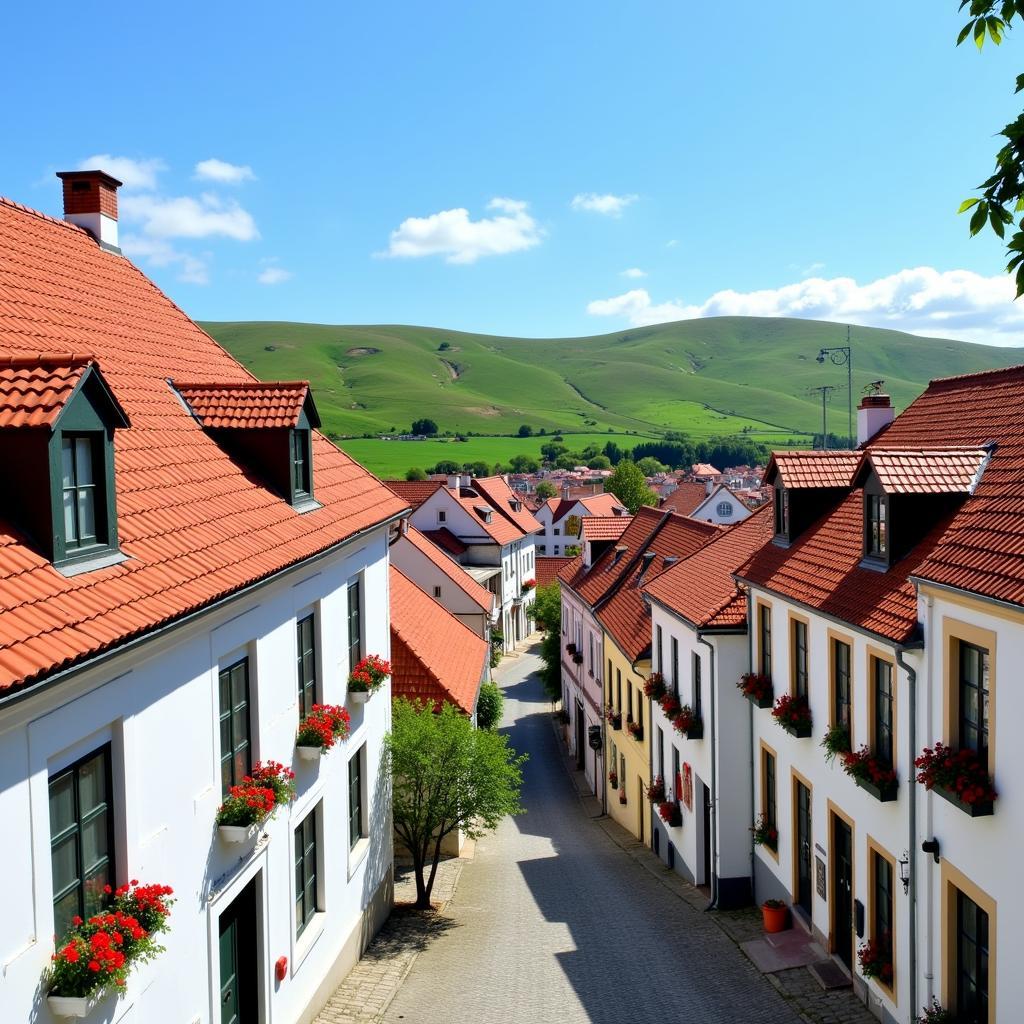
x,y
713,830
750,739
187,618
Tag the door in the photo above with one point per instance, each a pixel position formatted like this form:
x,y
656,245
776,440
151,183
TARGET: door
x,y
581,747
238,975
842,890
706,824
803,848
643,807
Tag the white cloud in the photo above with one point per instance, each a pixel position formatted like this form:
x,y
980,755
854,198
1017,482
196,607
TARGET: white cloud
x,y
634,272
452,234
949,304
187,217
133,173
671,243
606,203
274,275
159,253
223,172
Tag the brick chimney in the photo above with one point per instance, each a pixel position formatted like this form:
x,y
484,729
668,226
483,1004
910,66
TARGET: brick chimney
x,y
90,201
873,413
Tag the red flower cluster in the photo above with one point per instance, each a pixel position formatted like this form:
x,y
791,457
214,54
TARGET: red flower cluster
x,y
765,834
276,776
791,710
529,584
684,719
656,790
756,685
247,804
635,729
668,811
654,686
368,674
875,958
613,780
958,771
669,704
862,764
324,724
613,717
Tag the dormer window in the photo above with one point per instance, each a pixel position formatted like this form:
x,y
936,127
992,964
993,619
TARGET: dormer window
x,y
301,460
782,513
876,533
78,484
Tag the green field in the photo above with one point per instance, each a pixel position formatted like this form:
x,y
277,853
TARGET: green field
x,y
716,376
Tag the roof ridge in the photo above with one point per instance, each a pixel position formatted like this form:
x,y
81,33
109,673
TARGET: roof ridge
x,y
47,359
1016,370
32,212
627,570
245,384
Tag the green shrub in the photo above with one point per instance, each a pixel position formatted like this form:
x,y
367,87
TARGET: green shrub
x,y
489,706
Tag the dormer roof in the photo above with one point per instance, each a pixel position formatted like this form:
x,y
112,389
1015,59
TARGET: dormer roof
x,y
817,469
250,405
925,470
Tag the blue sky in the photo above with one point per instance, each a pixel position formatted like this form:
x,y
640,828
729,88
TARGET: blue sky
x,y
414,163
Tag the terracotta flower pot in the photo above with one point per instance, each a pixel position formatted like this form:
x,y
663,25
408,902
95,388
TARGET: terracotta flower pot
x,y
774,918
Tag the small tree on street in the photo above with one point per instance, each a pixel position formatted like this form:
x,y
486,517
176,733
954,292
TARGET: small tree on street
x,y
446,776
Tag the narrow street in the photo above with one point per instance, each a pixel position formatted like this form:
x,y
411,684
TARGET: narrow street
x,y
553,922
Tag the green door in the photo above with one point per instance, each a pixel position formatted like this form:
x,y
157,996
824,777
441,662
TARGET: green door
x,y
229,1009
238,974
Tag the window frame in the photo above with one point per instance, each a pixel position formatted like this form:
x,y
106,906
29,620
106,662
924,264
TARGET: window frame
x,y
354,647
308,688
770,793
836,702
696,684
782,513
764,638
877,527
303,880
358,823
229,717
799,656
955,632
724,508
982,727
877,857
882,708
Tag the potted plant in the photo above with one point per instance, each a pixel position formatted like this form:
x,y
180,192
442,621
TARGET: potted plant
x,y
247,806
871,773
635,729
669,704
528,585
613,717
773,914
793,714
367,678
936,1014
688,723
757,688
654,686
957,776
321,729
622,796
668,811
96,956
577,658
570,648
765,833
613,779
656,790
836,741
875,959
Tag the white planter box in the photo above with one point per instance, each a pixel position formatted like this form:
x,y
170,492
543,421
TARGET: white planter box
x,y
238,833
360,696
309,753
72,1006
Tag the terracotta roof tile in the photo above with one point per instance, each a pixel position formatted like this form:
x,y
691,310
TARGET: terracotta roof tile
x,y
469,586
34,389
686,498
434,657
250,405
497,491
548,568
414,492
927,471
194,526
605,527
813,468
444,538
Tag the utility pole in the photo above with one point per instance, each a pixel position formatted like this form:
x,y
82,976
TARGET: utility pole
x,y
825,390
839,355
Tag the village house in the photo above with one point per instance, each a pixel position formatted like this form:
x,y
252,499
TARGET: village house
x,y
563,517
710,502
487,528
186,567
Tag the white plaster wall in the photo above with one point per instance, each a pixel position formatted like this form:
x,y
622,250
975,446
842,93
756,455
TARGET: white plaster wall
x,y
580,627
158,708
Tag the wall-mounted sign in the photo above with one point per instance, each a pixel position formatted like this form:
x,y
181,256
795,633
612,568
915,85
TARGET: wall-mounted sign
x,y
572,526
819,877
594,737
687,787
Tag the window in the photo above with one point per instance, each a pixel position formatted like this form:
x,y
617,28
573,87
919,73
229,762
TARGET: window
x,y
78,483
974,699
543,549
676,787
590,653
799,658
660,746
764,615
558,532
882,904
724,508
442,515
697,668
657,652
306,664
768,781
882,684
558,549
629,700
841,685
300,464
618,689
781,512
356,816
305,872
235,755
355,625
675,666
437,593
876,531
972,955
81,838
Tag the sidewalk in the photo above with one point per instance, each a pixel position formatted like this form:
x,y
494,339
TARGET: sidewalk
x,y
796,985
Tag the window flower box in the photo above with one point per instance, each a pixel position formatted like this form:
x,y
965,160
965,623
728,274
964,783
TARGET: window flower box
x,y
367,678
239,833
794,715
688,723
884,793
875,959
757,688
72,1006
570,648
669,812
321,729
636,730
528,585
577,658
254,800
613,718
622,796
656,790
669,704
957,776
871,774
765,833
654,686
613,780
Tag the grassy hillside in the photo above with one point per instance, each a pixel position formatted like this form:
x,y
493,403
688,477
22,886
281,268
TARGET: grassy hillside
x,y
716,376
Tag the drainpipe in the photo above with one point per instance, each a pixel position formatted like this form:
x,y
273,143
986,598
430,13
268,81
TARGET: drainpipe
x,y
901,649
750,737
713,905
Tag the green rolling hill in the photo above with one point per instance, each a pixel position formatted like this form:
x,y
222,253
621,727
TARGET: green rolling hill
x,y
716,376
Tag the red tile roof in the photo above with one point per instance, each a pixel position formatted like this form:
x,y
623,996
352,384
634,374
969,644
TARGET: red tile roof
x,y
444,538
686,498
829,468
34,389
251,404
195,528
469,586
434,657
498,493
415,492
926,471
605,527
705,469
701,588
548,568
622,611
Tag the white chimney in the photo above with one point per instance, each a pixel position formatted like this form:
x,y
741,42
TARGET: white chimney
x,y
873,413
709,485
565,492
90,201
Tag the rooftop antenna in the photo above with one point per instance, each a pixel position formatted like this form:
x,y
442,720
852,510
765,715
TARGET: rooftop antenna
x,y
825,390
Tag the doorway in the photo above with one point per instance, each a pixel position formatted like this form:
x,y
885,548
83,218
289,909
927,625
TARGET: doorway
x,y
706,831
842,890
239,976
804,882
580,744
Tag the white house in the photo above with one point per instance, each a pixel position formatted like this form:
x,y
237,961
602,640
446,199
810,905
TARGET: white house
x,y
490,532
710,501
562,518
187,566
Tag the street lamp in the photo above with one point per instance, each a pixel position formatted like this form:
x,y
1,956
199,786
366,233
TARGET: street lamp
x,y
840,355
